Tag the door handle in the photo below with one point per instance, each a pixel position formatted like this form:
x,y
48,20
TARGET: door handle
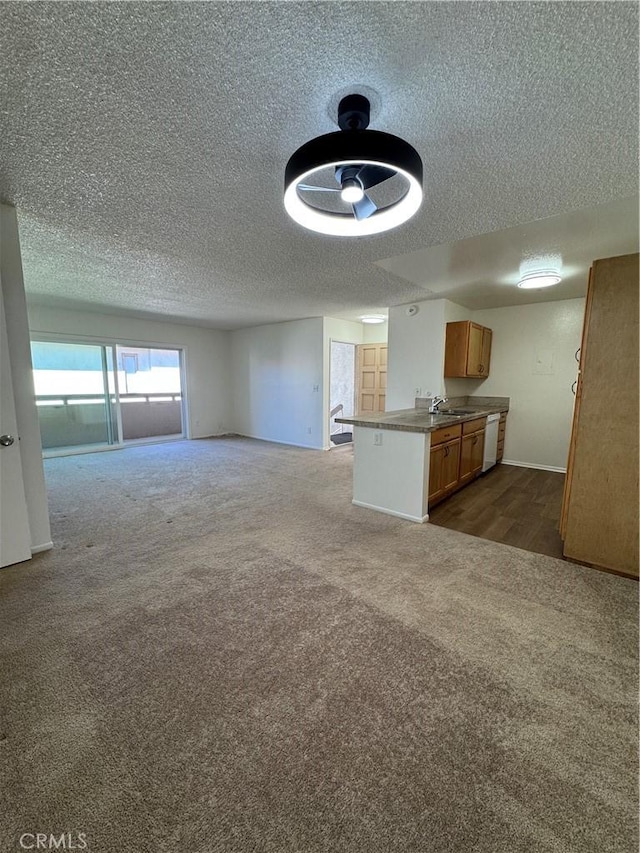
x,y
6,440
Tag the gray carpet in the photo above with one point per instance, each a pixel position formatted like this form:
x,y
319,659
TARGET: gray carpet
x,y
223,654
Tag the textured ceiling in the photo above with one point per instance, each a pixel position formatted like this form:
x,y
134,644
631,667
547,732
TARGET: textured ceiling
x,y
144,144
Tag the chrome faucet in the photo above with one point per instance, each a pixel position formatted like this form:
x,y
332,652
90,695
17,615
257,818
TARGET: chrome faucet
x,y
436,402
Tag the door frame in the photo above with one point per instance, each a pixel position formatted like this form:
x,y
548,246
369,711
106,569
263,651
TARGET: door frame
x,y
15,529
358,377
333,341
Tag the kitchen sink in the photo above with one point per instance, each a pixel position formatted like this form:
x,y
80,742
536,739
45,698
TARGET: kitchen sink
x,y
458,412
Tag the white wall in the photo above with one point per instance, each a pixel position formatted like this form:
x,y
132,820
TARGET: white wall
x,y
207,354
375,333
416,353
13,296
278,378
532,362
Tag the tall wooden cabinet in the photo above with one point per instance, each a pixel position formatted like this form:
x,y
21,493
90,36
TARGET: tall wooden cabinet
x,y
599,522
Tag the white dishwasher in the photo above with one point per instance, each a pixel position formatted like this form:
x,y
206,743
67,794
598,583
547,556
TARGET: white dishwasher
x,y
490,442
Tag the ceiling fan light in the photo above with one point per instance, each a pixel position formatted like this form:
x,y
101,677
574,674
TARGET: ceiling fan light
x,y
537,280
352,192
339,225
373,318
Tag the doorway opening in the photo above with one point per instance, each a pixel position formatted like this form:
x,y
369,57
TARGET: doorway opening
x,y
101,396
342,392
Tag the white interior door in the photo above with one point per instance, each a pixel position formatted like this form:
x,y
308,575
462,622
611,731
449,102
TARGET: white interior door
x,y
15,535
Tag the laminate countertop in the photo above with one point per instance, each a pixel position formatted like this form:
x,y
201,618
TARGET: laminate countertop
x,y
419,420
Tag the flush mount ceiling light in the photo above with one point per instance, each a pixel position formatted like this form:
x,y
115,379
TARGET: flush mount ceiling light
x,y
536,280
353,182
373,318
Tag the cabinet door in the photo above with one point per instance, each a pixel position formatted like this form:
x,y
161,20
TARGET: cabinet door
x,y
477,452
566,497
451,465
436,489
601,519
501,431
474,350
471,456
466,458
485,358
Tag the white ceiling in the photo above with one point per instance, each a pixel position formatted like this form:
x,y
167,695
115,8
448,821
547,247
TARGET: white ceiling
x,y
144,147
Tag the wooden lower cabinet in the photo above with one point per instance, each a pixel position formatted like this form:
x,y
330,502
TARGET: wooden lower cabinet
x,y
502,426
456,458
471,456
444,465
444,462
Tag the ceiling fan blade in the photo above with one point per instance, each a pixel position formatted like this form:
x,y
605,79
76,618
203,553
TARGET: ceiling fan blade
x,y
370,175
363,208
308,187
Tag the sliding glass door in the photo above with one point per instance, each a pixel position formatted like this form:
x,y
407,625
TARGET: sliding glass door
x,y
149,392
72,394
91,396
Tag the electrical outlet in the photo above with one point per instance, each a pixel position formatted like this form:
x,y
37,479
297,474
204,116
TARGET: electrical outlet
x,y
417,392
377,439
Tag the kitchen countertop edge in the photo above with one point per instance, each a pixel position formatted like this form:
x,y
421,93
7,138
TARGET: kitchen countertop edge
x,y
415,420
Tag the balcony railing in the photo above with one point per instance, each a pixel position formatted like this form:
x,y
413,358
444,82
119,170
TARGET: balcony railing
x,y
70,420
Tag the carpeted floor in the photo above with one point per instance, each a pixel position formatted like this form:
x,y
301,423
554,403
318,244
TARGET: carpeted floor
x,y
223,654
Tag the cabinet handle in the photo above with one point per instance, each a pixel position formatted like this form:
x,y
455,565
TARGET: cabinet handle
x,y
577,355
475,439
446,452
481,368
573,387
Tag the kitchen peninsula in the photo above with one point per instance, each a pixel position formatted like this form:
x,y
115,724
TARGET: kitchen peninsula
x,y
395,453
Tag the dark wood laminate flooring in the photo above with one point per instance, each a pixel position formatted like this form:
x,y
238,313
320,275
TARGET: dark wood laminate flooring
x,y
517,506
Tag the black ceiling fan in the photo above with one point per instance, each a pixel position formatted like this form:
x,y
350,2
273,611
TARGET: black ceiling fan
x,y
361,161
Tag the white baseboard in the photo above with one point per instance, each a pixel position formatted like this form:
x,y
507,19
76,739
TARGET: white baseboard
x,y
531,465
276,441
406,516
38,549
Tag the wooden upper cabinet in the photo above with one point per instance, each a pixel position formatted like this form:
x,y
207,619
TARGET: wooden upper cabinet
x,y
485,359
467,350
